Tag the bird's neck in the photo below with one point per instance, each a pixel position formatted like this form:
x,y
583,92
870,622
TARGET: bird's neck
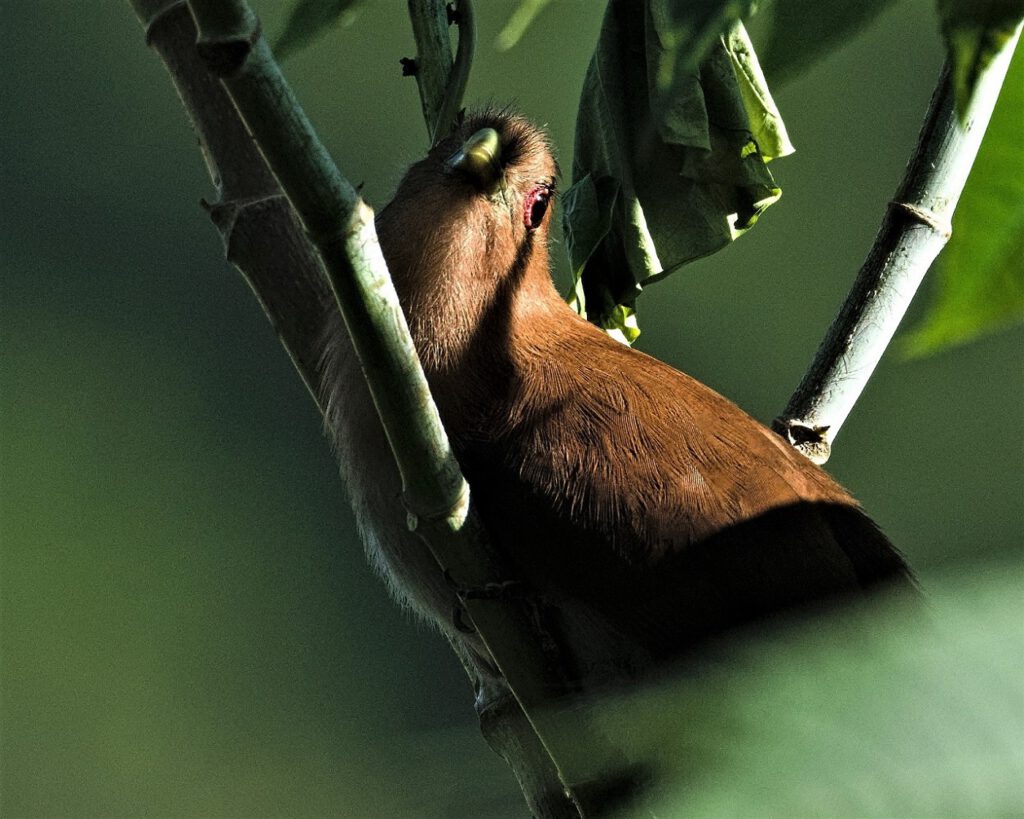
x,y
462,304
476,330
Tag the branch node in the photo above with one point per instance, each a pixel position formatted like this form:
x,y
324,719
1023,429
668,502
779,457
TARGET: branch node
x,y
808,439
227,214
925,216
410,68
497,590
161,16
459,620
340,228
224,58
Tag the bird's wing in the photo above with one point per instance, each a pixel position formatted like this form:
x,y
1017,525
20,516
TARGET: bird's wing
x,y
619,471
620,440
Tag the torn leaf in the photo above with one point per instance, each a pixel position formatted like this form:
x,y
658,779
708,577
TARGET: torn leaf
x,y
674,130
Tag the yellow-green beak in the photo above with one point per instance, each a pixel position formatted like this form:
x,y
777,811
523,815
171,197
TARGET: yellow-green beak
x,y
480,158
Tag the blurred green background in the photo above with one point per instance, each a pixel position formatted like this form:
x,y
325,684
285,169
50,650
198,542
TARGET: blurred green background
x,y
188,624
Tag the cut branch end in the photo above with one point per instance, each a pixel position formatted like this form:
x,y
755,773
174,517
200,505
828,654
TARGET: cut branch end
x,y
808,439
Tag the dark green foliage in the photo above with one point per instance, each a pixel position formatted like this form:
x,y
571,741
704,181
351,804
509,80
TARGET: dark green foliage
x,y
842,718
980,274
804,31
520,20
189,627
975,30
309,20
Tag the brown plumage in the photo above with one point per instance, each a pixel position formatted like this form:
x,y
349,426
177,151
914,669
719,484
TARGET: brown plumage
x,y
637,502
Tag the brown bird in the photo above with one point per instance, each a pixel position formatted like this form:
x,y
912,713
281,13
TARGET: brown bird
x,y
649,512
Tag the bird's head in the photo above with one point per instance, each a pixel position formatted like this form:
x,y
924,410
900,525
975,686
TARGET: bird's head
x,y
466,233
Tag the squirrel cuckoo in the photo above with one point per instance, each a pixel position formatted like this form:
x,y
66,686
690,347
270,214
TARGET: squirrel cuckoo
x,y
647,511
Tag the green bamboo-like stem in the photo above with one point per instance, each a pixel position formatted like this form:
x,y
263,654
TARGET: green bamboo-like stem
x,y
341,227
260,233
442,85
268,246
915,228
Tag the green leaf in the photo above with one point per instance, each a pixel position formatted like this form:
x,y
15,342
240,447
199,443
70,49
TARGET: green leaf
x,y
975,31
769,132
311,19
675,127
883,711
799,36
980,274
518,22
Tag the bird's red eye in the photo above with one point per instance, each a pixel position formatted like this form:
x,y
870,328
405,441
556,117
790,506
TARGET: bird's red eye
x,y
535,206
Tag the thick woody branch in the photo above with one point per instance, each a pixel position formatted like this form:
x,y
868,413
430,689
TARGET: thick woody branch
x,y
915,228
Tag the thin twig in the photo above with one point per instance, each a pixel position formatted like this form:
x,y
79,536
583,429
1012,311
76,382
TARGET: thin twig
x,y
442,82
433,63
915,228
455,88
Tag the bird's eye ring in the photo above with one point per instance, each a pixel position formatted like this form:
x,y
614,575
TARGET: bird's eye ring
x,y
535,206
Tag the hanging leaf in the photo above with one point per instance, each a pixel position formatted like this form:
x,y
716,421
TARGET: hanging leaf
x,y
520,20
975,31
980,275
674,129
804,31
311,19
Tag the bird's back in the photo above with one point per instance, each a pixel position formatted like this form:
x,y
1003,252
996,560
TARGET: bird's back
x,y
615,479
